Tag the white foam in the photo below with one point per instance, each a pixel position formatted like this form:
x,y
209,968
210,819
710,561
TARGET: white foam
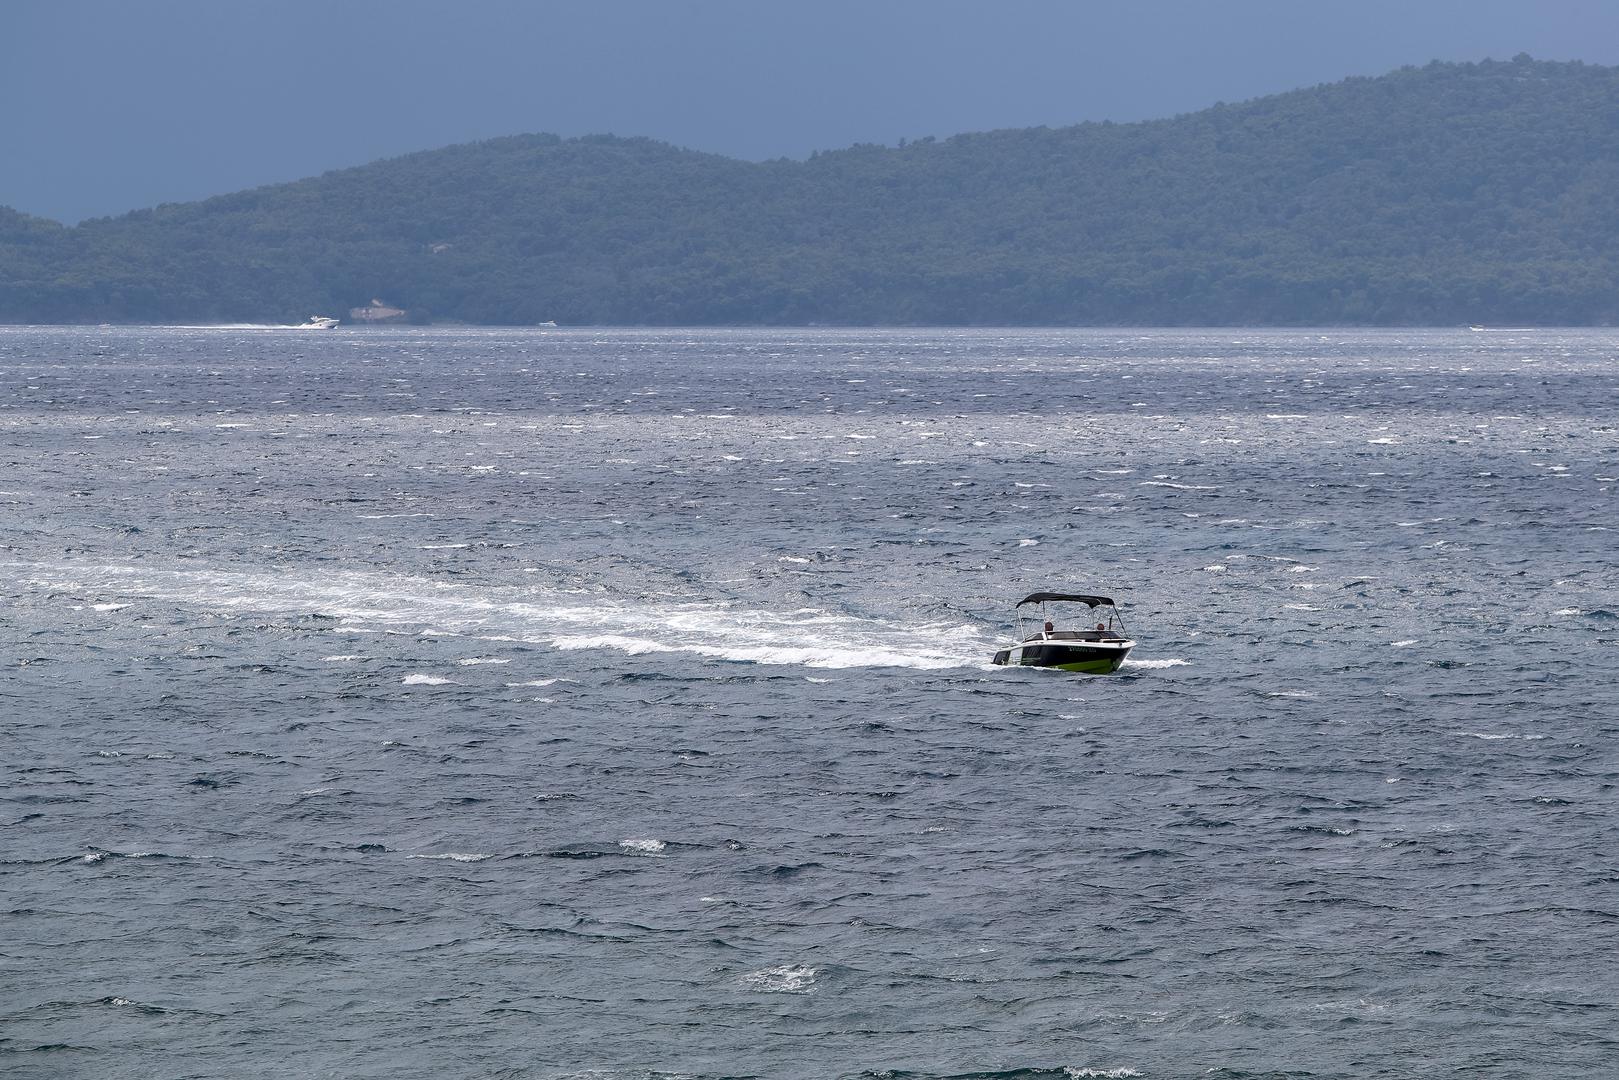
x,y
819,656
643,846
1402,644
1027,543
1087,1073
474,661
1151,664
533,682
108,607
782,979
425,680
341,659
371,602
455,856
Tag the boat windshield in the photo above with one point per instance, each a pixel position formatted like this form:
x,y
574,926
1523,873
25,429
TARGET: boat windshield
x,y
1074,635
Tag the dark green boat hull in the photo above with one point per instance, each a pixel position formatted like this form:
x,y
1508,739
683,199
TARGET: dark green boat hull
x,y
1061,656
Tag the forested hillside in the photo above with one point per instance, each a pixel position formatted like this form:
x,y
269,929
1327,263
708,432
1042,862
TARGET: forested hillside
x,y
1446,194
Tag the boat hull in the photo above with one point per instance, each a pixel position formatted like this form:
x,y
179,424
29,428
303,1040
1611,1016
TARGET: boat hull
x,y
1084,658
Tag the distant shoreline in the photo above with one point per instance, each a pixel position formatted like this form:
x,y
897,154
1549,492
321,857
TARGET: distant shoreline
x,y
1444,195
801,327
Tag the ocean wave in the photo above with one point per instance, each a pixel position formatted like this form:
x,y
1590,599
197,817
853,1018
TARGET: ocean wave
x,y
782,979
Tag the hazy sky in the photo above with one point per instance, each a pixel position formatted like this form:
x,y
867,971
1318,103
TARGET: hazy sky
x,y
109,105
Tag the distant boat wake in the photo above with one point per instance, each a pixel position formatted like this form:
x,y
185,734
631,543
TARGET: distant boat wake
x,y
380,603
311,325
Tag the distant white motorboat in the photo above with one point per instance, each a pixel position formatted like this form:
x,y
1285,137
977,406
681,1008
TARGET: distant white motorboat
x,y
549,324
318,322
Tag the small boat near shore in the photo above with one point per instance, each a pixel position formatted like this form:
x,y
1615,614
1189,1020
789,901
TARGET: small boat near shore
x,y
318,322
1038,642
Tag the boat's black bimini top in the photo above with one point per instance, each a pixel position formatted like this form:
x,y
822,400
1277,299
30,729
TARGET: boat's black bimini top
x,y
1043,597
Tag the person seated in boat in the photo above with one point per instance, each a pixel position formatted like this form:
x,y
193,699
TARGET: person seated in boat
x,y
1051,627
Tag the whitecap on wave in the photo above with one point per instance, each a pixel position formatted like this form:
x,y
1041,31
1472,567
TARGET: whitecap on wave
x,y
782,979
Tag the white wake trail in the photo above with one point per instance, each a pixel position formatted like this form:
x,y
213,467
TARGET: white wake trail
x,y
808,636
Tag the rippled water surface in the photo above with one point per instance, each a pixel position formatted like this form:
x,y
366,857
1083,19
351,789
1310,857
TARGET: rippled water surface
x,y
439,703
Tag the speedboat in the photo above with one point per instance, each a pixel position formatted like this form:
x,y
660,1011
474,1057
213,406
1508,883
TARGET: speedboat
x,y
318,322
1037,641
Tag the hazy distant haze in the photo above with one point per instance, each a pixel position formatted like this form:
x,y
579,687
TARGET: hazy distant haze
x,y
110,105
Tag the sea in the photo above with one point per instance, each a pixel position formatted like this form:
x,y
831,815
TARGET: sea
x,y
616,704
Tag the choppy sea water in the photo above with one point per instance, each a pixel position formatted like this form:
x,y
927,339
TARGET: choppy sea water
x,y
615,704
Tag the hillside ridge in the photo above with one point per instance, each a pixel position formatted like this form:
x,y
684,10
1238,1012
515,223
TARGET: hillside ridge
x,y
1442,194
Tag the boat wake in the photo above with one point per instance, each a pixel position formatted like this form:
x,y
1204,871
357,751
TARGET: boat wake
x,y
314,322
380,603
